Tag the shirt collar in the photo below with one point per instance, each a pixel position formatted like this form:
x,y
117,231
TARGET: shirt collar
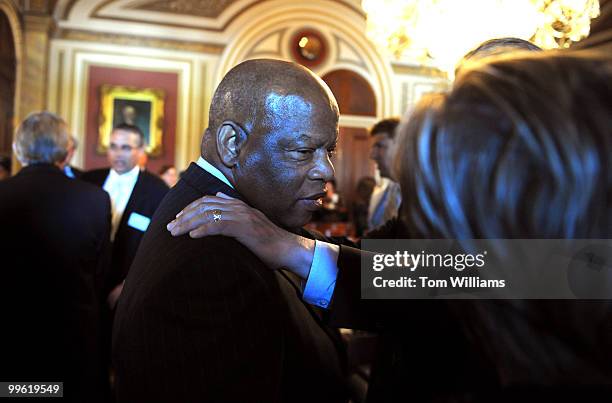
x,y
131,175
68,171
208,167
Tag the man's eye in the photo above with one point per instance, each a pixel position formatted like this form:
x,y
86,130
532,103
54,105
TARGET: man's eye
x,y
302,153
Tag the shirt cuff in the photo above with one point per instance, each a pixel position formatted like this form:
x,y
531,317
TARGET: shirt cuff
x,y
323,273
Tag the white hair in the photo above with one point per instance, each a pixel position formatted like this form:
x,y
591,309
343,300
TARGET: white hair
x,y
41,138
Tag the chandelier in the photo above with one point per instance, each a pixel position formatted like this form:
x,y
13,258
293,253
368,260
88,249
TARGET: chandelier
x,y
440,32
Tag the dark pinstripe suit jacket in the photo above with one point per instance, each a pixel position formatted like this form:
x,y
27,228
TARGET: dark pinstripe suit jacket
x,y
203,320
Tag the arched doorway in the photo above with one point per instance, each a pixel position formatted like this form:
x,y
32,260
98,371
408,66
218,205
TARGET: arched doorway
x,y
8,78
356,100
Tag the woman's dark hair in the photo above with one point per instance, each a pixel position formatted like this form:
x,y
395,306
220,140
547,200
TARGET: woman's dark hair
x,y
520,148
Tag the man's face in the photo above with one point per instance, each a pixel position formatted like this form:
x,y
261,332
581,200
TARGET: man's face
x,y
285,163
124,150
382,153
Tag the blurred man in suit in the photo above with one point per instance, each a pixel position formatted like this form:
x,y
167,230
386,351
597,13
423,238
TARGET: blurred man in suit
x,y
386,198
134,194
55,251
205,320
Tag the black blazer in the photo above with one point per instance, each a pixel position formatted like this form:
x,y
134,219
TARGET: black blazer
x,y
55,249
204,320
144,200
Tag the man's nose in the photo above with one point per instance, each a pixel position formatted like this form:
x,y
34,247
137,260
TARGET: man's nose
x,y
323,168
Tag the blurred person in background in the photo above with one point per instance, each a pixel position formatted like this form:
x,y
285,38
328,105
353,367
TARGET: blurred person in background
x,y
55,254
332,211
169,175
386,198
135,195
332,200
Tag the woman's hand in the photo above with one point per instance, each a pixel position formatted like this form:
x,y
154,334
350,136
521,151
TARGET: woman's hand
x,y
224,215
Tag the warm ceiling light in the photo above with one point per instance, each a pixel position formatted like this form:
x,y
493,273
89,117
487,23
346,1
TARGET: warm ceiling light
x,y
440,32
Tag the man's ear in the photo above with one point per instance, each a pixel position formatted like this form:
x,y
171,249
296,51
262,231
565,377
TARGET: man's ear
x,y
229,141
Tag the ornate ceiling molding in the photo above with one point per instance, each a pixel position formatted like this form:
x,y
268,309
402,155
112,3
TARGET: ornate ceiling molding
x,y
200,8
131,40
331,19
210,21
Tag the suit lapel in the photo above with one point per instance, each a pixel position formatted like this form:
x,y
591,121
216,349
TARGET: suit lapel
x,y
100,177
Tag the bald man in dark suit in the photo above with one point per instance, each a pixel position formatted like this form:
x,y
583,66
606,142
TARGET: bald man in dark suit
x,y
205,320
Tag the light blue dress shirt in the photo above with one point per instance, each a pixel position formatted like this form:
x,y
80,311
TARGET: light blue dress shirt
x,y
68,171
211,169
321,281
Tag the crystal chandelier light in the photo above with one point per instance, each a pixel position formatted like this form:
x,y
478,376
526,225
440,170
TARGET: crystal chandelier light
x,y
439,32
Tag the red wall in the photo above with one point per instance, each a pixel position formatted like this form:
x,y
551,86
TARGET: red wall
x,y
98,76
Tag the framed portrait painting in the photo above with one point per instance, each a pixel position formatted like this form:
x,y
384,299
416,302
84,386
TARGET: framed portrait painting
x,y
136,106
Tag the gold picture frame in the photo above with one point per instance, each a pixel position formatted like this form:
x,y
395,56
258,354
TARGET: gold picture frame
x,y
141,107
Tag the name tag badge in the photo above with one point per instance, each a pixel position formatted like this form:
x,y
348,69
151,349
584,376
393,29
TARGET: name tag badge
x,y
139,222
